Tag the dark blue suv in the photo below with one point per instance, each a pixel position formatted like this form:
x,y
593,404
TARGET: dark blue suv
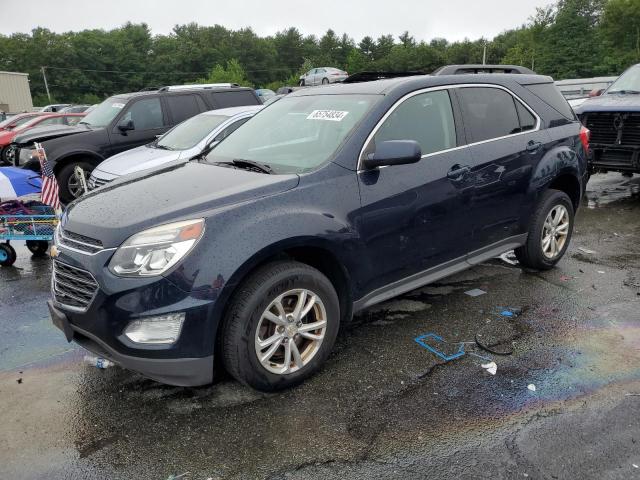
x,y
328,201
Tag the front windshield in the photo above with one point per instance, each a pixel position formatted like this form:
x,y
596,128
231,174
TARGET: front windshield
x,y
190,132
32,121
629,82
295,134
104,113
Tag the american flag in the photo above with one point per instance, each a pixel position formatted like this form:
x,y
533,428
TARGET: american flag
x,y
49,194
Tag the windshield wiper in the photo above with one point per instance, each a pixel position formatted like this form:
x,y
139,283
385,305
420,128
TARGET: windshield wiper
x,y
162,147
625,92
248,165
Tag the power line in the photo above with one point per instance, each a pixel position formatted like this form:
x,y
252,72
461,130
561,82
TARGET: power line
x,y
274,69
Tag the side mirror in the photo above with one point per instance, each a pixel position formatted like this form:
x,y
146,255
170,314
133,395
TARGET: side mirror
x,y
596,92
125,126
394,152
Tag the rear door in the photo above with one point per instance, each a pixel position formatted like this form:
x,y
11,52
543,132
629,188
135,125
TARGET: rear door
x,y
414,217
505,143
184,106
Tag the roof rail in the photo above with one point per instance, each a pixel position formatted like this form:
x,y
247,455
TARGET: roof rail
x,y
372,76
477,68
197,86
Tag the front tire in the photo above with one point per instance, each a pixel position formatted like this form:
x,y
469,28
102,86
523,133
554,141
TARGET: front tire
x,y
281,326
325,81
550,231
68,183
301,83
38,247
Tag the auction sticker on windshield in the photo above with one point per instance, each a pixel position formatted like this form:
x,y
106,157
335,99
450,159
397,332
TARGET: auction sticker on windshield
x,y
118,105
331,115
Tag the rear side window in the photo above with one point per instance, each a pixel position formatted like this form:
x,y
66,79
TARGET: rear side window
x,y
549,94
182,107
527,120
488,113
426,118
234,99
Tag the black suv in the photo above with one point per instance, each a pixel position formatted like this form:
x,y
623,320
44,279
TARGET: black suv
x,y
614,121
120,123
329,201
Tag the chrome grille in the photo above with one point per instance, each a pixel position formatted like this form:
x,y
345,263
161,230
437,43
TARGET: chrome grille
x,y
95,182
73,287
78,242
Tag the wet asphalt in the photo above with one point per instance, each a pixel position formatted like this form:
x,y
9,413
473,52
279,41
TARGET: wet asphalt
x,y
384,406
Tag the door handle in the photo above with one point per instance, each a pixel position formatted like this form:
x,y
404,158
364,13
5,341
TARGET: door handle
x,y
458,171
533,146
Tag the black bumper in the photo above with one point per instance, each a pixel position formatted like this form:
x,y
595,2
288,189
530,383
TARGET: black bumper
x,y
184,372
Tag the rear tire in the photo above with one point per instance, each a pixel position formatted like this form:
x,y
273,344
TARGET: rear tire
x,y
7,255
550,230
68,183
263,311
38,247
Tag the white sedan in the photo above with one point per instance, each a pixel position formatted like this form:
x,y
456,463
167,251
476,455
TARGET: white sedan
x,y
322,76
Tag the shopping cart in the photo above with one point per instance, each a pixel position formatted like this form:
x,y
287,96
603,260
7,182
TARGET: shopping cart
x,y
35,227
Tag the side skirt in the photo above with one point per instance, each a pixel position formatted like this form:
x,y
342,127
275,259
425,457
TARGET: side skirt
x,y
439,272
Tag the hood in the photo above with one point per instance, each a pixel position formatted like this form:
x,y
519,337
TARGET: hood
x,y
611,103
180,191
39,134
140,158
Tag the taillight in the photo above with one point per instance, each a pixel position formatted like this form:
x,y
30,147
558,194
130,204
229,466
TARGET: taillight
x,y
585,136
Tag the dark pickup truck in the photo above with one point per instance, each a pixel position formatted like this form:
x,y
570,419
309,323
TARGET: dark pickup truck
x,y
120,123
614,121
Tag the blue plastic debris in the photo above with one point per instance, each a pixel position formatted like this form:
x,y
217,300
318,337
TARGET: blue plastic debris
x,y
421,341
507,313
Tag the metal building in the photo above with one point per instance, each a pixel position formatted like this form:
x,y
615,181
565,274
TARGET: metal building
x,y
15,95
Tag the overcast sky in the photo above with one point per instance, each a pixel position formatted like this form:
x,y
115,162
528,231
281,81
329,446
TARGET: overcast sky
x,y
425,19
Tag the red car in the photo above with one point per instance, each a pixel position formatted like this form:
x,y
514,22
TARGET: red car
x,y
7,136
17,120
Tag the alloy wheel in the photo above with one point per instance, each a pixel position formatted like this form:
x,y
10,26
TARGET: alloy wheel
x,y
74,185
290,331
555,231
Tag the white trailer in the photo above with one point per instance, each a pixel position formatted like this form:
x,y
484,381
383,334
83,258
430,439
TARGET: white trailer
x,y
15,96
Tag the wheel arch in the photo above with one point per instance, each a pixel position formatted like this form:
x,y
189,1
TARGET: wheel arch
x,y
313,252
568,183
82,155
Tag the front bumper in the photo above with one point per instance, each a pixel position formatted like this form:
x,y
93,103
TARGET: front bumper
x,y
99,324
183,372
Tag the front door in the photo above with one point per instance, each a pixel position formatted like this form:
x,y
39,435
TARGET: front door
x,y
148,121
414,217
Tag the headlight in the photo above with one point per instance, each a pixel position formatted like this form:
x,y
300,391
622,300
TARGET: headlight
x,y
154,251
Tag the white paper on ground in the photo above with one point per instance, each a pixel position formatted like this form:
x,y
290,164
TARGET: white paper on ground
x,y
476,292
491,367
531,387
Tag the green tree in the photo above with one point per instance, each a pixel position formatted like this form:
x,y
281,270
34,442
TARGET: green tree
x,y
232,73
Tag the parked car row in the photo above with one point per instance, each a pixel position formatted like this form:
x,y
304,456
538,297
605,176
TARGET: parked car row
x,y
250,256
120,123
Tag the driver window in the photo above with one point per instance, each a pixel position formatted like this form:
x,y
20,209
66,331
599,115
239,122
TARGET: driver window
x,y
146,114
426,118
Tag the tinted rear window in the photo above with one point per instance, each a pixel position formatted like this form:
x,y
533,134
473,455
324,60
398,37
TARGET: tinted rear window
x,y
488,113
234,99
549,94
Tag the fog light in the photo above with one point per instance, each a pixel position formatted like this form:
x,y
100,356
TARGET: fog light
x,y
164,329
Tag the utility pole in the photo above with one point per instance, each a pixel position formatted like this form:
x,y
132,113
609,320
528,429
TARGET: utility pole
x,y
46,85
484,54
